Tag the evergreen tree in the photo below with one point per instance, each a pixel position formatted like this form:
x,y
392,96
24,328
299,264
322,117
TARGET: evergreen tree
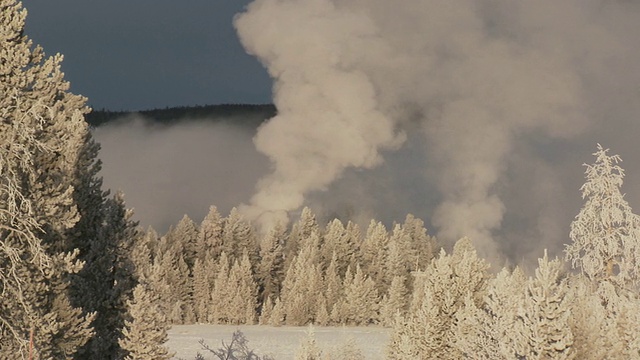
x,y
202,286
42,135
186,233
423,246
243,302
488,330
543,320
341,242
593,326
221,293
373,254
209,241
302,284
606,233
428,331
106,282
146,332
334,290
270,270
360,299
238,236
301,230
309,349
394,302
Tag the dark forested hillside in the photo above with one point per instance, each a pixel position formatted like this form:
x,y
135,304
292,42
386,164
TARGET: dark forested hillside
x,y
240,114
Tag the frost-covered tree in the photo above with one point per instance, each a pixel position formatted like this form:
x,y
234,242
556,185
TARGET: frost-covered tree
x,y
202,284
428,330
423,246
221,292
42,134
106,282
301,230
209,239
487,331
333,289
146,331
543,320
243,303
238,236
342,242
309,349
270,270
606,233
394,301
186,233
373,254
360,303
302,284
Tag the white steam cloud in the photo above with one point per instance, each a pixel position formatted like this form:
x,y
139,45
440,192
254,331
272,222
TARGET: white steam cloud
x,y
483,78
167,171
328,115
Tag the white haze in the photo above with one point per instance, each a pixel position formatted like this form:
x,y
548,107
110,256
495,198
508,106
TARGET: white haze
x,y
474,115
166,172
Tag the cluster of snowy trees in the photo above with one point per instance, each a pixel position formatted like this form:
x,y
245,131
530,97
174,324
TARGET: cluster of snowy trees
x,y
66,277
459,310
222,272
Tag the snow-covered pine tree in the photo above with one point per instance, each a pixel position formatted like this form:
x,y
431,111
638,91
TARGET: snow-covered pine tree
x,y
106,282
394,302
309,349
593,326
360,306
42,134
543,321
606,233
270,270
146,331
341,243
423,246
373,254
221,293
333,289
428,330
186,232
238,236
487,331
301,230
242,305
302,284
210,236
202,285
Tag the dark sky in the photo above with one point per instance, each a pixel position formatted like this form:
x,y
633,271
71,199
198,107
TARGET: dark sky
x,y
131,55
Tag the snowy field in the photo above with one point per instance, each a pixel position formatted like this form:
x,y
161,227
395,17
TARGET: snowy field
x,y
281,343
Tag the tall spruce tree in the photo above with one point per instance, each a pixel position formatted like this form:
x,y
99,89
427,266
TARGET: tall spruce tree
x,y
606,233
146,330
42,133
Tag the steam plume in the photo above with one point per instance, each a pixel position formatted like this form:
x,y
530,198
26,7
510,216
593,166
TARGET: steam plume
x,y
328,115
483,77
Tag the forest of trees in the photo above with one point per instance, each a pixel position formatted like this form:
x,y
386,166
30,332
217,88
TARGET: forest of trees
x,y
80,280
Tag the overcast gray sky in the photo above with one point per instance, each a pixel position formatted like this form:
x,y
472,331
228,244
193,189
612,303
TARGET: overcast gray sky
x,y
131,55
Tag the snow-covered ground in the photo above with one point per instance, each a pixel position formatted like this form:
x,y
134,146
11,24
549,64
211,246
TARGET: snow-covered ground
x,y
281,343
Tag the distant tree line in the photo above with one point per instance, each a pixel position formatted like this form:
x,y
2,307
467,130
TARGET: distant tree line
x,y
222,272
247,115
